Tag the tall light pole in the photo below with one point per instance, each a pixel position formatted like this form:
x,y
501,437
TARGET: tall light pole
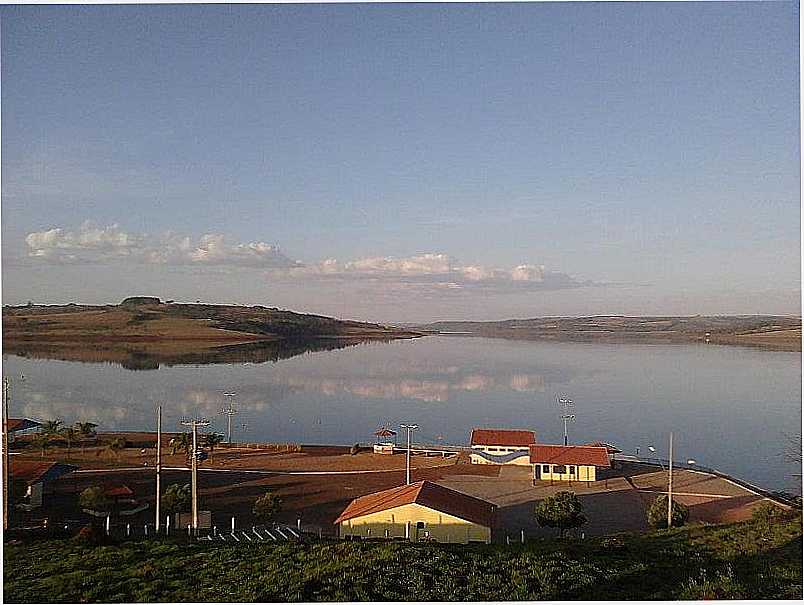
x,y
670,485
409,427
6,485
194,424
158,465
566,403
229,411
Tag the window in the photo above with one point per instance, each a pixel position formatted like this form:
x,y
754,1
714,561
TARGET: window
x,y
559,469
420,525
572,469
546,468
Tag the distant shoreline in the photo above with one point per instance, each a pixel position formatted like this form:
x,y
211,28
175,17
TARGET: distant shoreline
x,y
771,333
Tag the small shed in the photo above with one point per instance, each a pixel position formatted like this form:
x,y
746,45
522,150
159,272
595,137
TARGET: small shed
x,y
416,512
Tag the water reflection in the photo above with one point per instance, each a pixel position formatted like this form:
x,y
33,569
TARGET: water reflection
x,y
728,407
143,357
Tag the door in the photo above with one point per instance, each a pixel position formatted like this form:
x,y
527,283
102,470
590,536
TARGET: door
x,y
537,471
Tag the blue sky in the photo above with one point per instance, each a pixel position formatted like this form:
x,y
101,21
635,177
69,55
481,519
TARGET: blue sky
x,y
405,162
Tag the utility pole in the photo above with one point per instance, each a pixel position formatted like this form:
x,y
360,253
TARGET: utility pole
x,y
670,485
194,424
6,484
229,411
158,465
409,427
566,403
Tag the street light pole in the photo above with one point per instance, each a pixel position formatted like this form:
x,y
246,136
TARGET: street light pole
x,y
409,427
566,403
195,423
158,465
6,485
229,411
670,485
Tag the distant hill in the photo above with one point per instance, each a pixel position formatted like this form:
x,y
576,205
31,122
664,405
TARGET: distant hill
x,y
766,331
172,325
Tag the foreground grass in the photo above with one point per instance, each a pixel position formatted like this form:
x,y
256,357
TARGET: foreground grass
x,y
744,560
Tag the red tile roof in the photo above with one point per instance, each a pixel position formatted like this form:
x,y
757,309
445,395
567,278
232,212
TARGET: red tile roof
x,y
612,449
20,424
119,491
511,437
424,493
569,454
33,472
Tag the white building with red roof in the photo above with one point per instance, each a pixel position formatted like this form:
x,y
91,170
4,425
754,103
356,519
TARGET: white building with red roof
x,y
501,446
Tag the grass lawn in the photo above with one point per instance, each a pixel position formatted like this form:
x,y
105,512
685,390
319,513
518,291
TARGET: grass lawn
x,y
744,560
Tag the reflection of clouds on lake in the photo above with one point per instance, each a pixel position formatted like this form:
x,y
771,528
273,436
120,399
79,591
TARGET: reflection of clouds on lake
x,y
526,383
419,389
51,406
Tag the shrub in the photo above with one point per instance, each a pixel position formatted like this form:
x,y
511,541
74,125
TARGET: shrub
x,y
94,498
267,507
177,498
768,513
721,584
562,510
89,535
657,513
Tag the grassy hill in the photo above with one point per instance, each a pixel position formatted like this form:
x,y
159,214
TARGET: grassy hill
x,y
766,331
744,560
174,329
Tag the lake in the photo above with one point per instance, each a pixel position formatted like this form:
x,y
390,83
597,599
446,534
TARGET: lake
x,y
729,407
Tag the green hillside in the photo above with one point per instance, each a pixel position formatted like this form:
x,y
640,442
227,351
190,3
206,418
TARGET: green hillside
x,y
744,560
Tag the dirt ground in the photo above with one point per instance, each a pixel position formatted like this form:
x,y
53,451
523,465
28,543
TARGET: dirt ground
x,y
318,482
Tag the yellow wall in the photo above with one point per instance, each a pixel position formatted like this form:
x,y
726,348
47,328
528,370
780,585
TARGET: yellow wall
x,y
583,473
441,526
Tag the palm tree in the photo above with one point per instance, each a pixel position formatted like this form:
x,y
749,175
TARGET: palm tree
x,y
85,431
211,440
51,427
183,442
70,434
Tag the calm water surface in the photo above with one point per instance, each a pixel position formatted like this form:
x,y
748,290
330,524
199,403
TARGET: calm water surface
x,y
729,407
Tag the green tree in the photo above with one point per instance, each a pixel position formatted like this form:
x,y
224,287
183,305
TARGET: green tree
x,y
211,440
94,498
768,513
177,498
267,507
86,429
183,442
52,428
562,510
70,434
657,513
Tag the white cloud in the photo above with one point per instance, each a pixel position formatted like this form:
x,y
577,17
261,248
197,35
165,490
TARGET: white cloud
x,y
426,273
431,270
91,244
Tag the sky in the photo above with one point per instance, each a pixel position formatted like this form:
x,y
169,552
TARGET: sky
x,y
405,162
